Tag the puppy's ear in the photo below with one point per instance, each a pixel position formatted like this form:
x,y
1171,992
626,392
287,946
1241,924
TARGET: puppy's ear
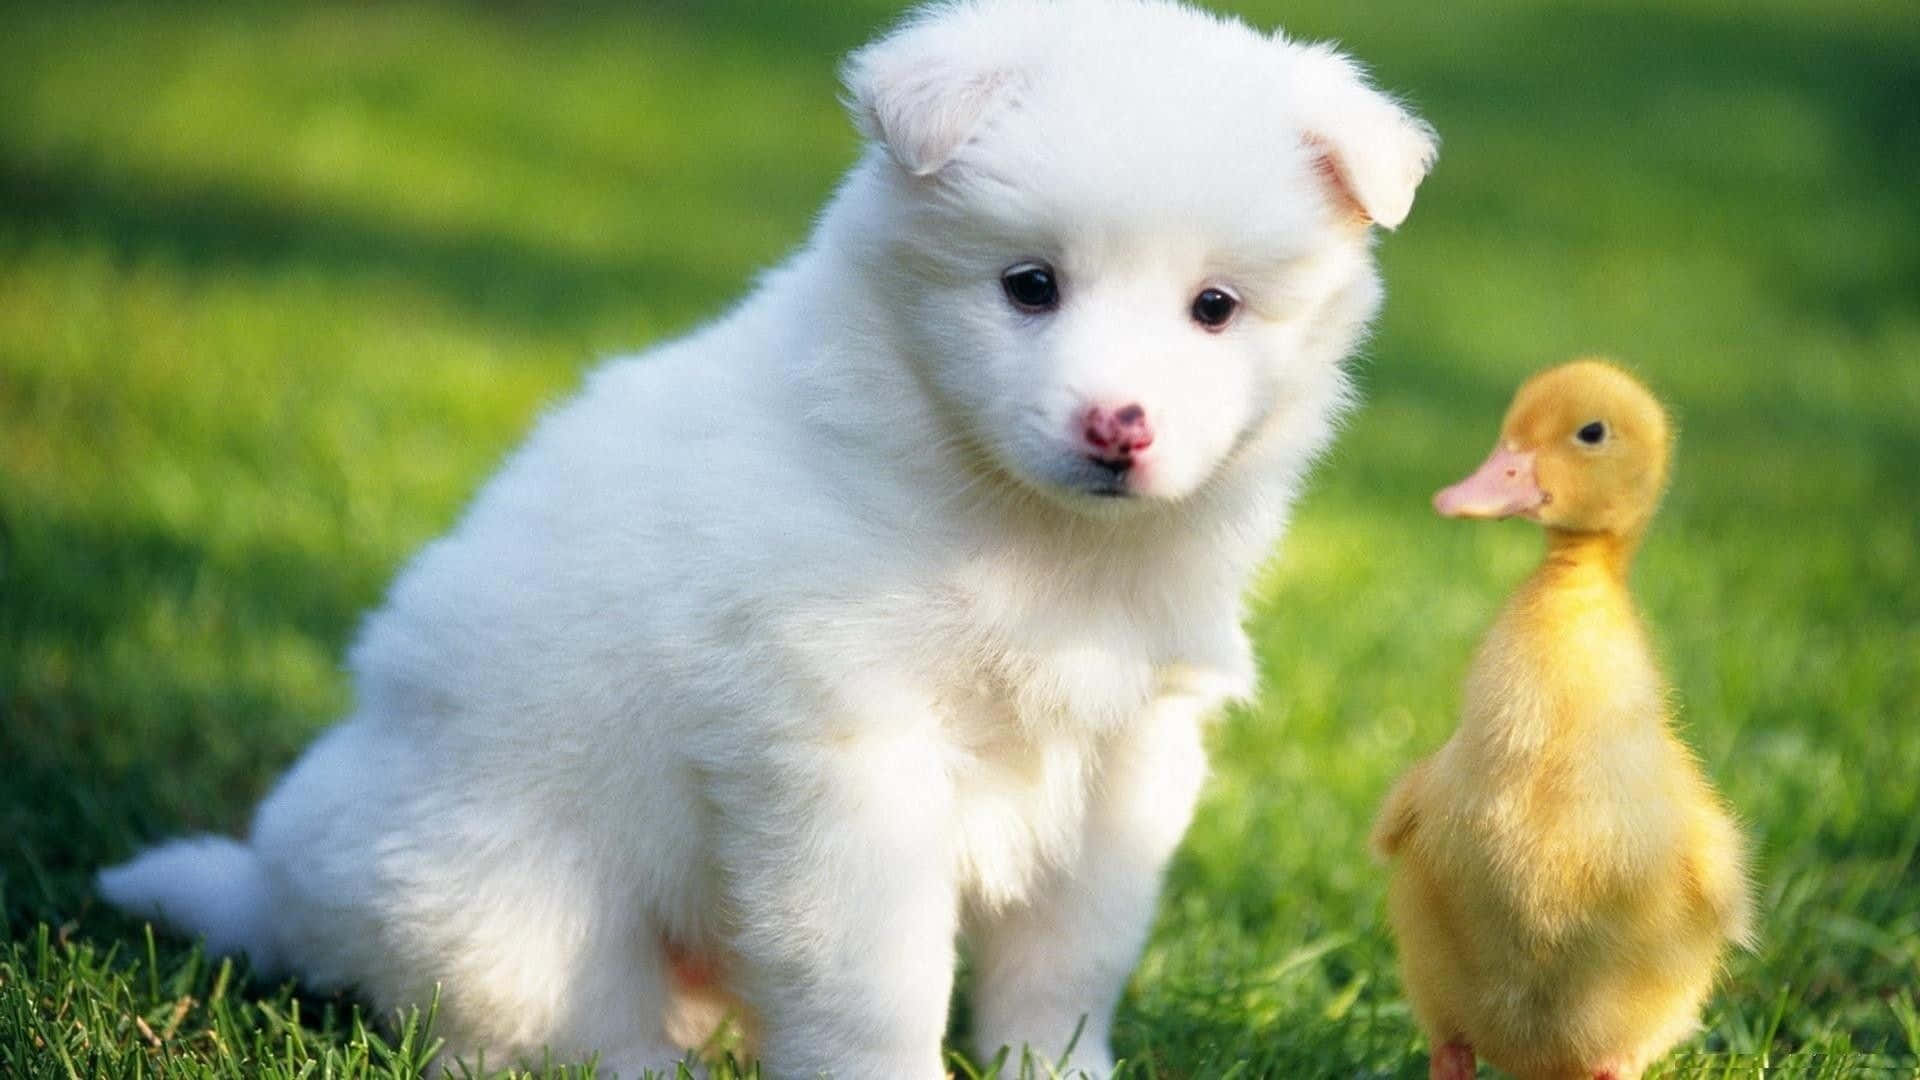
x,y
923,90
1373,151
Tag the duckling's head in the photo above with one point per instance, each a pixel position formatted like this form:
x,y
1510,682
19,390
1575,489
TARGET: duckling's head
x,y
1583,449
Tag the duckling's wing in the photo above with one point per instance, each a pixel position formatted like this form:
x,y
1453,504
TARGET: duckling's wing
x,y
1400,813
1715,862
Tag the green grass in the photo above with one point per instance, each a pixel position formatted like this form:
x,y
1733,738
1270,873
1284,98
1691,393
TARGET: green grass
x,y
279,285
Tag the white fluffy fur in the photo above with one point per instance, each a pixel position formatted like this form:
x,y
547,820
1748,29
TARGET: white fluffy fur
x,y
795,646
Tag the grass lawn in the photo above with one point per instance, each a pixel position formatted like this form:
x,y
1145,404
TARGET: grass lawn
x,y
279,285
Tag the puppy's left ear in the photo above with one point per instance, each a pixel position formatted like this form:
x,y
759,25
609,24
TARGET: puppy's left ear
x,y
1373,151
925,89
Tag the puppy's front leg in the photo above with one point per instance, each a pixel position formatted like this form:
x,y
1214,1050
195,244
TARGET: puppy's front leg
x,y
841,904
1060,961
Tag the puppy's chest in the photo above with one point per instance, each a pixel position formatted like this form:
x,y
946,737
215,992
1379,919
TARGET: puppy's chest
x,y
1031,691
1023,723
1069,659
1020,793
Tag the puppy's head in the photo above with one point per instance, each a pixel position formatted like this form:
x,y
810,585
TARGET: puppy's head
x,y
1126,242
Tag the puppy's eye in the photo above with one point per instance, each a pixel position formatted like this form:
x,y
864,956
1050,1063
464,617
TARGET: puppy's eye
x,y
1215,308
1032,287
1593,434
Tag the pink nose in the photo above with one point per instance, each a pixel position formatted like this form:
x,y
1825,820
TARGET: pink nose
x,y
1115,437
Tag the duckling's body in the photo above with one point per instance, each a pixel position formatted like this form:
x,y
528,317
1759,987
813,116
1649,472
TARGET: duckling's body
x,y
1564,877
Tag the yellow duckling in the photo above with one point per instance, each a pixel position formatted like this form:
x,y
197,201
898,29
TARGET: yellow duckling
x,y
1563,877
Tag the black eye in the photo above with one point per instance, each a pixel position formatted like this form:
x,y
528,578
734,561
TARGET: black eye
x,y
1592,434
1031,287
1214,308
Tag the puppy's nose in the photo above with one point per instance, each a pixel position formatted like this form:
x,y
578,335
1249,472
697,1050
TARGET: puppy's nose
x,y
1115,436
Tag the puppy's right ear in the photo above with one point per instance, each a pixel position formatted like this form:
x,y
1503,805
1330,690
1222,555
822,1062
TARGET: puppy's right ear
x,y
924,90
1373,151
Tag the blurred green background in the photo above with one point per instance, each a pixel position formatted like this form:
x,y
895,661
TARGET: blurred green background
x,y
279,285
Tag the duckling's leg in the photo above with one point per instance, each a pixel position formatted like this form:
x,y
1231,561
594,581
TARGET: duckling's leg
x,y
1454,1061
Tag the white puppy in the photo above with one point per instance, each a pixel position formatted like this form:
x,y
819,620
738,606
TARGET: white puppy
x,y
882,611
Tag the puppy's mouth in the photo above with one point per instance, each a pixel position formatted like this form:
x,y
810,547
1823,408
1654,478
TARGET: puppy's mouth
x,y
1088,483
1108,480
1105,480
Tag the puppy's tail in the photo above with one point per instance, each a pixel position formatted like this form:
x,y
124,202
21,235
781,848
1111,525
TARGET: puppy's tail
x,y
207,886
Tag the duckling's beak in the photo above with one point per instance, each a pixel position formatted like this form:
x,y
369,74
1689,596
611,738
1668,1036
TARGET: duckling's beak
x,y
1502,487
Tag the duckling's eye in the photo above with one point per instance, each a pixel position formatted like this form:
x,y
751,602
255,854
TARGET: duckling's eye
x,y
1593,434
1032,287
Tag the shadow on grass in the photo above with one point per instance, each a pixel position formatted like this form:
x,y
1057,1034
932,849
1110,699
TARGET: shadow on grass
x,y
825,29
1751,132
95,748
221,229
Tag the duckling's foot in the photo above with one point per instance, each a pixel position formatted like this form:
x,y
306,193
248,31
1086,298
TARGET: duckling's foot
x,y
1453,1061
